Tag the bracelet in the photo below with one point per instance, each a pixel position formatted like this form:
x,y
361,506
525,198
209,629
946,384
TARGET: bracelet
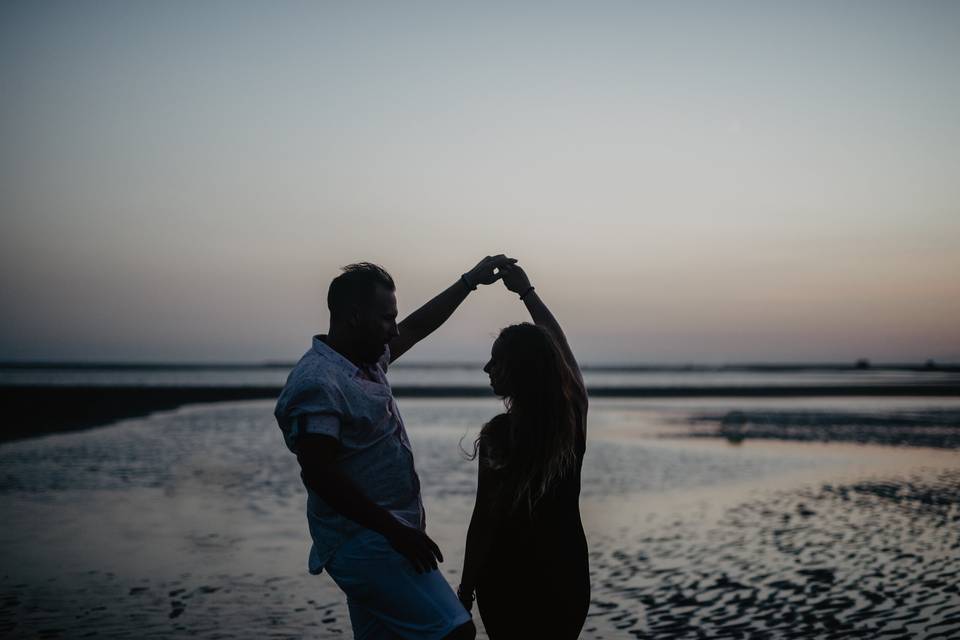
x,y
467,282
463,596
526,293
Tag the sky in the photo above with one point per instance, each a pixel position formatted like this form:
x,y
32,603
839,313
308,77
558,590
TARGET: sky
x,y
683,181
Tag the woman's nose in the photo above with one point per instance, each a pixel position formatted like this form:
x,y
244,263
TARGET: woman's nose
x,y
486,368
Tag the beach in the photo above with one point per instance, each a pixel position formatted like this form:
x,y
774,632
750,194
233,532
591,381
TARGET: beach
x,y
738,222
190,522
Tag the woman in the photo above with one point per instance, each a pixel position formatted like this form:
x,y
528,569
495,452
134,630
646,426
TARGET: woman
x,y
526,556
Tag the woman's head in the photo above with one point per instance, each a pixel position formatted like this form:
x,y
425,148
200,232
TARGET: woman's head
x,y
528,370
524,360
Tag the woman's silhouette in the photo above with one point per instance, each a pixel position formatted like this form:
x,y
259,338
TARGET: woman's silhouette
x,y
526,556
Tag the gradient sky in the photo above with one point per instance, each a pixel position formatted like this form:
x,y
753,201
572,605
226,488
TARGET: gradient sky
x,y
684,181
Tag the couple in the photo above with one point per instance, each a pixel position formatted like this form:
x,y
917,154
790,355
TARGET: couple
x,y
526,554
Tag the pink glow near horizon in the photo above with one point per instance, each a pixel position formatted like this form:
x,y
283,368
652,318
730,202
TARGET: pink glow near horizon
x,y
702,182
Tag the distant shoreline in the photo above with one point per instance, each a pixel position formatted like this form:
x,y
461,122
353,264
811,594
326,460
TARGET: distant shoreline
x,y
36,410
760,367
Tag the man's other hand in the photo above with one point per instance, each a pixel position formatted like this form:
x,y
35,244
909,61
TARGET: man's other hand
x,y
416,546
489,270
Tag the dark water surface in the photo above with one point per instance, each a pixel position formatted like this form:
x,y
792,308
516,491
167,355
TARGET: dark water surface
x,y
405,374
191,522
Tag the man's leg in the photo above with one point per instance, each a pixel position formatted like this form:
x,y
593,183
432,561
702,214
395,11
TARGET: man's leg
x,y
365,625
411,605
463,632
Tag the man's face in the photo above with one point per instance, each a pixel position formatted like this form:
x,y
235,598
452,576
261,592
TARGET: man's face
x,y
376,325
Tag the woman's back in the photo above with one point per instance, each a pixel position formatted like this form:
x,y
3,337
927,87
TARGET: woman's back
x,y
559,505
538,559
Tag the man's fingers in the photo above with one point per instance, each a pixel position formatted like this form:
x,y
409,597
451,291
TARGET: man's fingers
x,y
431,552
414,554
422,556
491,268
498,259
419,564
413,560
420,551
435,548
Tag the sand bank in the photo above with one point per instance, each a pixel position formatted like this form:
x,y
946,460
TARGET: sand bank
x,y
32,410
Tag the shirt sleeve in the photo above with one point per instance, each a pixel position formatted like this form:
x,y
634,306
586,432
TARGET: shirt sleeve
x,y
324,424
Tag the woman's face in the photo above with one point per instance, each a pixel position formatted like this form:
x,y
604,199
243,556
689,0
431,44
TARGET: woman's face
x,y
496,370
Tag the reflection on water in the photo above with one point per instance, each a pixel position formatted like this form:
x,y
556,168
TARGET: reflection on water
x,y
192,522
472,375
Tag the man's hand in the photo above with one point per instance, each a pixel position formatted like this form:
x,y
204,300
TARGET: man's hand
x,y
416,546
488,270
515,279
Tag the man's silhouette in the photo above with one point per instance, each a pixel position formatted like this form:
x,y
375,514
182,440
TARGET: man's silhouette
x,y
364,509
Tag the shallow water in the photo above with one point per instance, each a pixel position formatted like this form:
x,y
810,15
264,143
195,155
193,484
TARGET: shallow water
x,y
191,522
437,374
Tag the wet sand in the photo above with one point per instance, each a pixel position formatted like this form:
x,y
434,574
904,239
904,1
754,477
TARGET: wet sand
x,y
873,559
190,523
916,427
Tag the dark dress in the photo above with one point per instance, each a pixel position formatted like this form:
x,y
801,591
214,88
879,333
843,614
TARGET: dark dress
x,y
535,582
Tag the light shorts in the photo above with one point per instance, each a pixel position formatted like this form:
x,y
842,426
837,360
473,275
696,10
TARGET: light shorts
x,y
387,597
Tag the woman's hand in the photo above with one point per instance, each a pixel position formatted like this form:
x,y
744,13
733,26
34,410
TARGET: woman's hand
x,y
465,596
488,270
515,278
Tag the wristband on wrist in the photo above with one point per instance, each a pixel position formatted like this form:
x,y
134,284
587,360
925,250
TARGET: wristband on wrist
x,y
467,282
527,292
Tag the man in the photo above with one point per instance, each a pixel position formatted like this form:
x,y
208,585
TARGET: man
x,y
364,509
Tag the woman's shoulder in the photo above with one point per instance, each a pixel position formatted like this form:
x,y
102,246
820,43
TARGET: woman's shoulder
x,y
494,434
497,427
499,421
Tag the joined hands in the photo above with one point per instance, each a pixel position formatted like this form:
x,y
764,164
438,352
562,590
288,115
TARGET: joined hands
x,y
515,278
488,270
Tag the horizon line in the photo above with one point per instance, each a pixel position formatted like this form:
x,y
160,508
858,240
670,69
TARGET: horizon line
x,y
860,364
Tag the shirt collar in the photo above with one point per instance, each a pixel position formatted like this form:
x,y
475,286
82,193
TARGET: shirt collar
x,y
322,349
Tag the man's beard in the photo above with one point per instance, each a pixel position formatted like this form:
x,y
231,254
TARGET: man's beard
x,y
373,354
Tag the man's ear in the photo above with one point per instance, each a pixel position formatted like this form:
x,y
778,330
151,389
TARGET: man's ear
x,y
354,319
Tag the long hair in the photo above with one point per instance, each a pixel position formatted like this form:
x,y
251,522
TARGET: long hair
x,y
538,447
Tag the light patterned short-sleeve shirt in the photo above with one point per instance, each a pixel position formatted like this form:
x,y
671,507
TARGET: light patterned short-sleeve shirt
x,y
327,394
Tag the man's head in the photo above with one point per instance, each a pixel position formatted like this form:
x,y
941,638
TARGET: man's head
x,y
363,309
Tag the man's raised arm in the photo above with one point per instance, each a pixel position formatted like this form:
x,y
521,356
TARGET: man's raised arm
x,y
425,320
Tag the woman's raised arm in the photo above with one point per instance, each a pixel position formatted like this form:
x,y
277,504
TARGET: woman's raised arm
x,y
516,280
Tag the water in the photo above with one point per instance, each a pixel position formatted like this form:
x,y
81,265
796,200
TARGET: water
x,y
428,375
190,523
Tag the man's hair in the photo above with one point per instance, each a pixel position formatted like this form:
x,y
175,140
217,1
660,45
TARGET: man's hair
x,y
356,286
